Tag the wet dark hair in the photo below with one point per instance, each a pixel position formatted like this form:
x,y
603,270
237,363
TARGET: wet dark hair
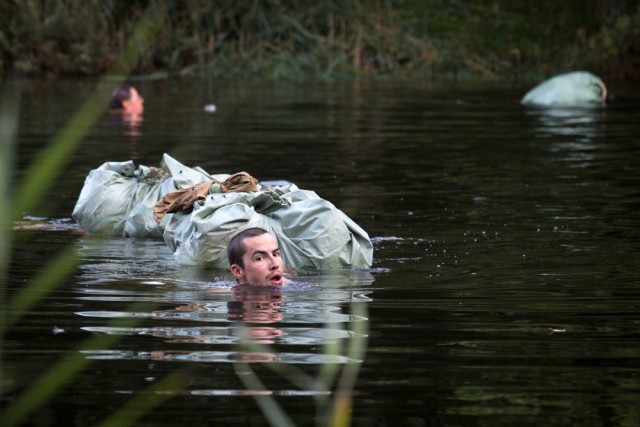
x,y
122,93
236,249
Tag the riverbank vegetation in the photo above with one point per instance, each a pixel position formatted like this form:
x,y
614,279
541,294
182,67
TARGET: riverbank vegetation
x,y
330,39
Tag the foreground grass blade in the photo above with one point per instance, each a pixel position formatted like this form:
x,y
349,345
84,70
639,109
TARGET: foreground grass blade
x,y
143,403
37,181
47,385
45,281
52,160
268,405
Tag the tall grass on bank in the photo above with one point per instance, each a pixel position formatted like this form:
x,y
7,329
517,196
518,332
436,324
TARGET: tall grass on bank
x,y
299,39
225,38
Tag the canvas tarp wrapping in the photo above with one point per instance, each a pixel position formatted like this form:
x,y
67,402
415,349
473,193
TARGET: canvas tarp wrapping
x,y
311,232
118,199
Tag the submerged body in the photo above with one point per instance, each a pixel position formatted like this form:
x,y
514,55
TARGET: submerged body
x,y
578,88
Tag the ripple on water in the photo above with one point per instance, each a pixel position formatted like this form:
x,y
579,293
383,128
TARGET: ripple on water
x,y
233,334
221,357
311,313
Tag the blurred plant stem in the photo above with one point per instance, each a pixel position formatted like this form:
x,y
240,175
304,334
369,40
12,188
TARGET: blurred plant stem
x,y
42,173
45,280
342,407
38,180
335,383
61,373
9,107
332,388
143,403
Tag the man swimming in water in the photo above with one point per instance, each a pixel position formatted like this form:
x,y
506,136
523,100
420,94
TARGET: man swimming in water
x,y
127,99
254,257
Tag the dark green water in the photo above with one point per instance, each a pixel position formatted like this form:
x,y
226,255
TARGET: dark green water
x,y
494,224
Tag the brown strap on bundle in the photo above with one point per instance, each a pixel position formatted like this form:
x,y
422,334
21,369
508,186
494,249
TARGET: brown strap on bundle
x,y
240,182
183,200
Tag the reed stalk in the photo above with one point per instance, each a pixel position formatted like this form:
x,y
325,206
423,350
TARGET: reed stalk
x,y
36,182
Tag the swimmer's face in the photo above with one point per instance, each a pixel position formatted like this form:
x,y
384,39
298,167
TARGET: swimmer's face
x,y
135,103
263,264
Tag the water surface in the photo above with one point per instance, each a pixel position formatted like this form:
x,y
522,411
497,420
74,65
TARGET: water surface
x,y
504,289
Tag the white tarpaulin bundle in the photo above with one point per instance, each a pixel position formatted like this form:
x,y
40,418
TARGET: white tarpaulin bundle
x,y
312,232
118,200
113,192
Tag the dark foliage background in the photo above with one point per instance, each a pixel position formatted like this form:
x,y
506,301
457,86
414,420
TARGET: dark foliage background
x,y
299,39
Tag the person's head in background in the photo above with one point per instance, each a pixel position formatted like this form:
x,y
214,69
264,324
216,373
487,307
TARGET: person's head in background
x,y
127,99
254,257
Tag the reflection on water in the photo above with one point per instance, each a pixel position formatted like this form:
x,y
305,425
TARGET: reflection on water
x,y
198,320
568,121
493,224
246,313
128,129
578,127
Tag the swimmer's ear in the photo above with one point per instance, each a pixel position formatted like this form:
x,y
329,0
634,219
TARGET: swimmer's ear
x,y
237,272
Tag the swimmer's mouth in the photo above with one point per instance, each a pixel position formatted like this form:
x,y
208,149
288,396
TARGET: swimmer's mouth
x,y
276,279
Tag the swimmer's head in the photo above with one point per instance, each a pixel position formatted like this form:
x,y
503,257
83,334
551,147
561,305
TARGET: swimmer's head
x,y
254,257
126,98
